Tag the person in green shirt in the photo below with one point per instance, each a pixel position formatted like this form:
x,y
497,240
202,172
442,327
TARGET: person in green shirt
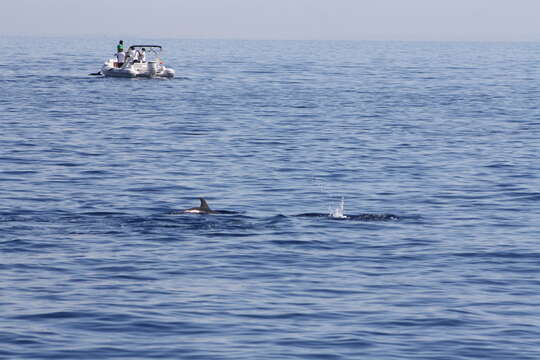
x,y
120,46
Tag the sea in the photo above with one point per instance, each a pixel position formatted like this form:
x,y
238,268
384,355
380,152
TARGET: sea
x,y
386,199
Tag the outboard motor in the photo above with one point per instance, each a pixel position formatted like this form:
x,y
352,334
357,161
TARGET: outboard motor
x,y
152,68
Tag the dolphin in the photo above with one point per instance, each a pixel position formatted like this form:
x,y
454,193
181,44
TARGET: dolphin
x,y
205,209
359,217
338,214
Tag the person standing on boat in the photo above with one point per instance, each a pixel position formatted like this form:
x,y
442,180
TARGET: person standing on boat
x,y
120,46
120,58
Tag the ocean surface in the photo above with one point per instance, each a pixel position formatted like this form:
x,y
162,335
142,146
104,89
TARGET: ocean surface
x,y
414,168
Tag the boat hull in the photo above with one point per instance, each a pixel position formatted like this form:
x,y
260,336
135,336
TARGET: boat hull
x,y
149,70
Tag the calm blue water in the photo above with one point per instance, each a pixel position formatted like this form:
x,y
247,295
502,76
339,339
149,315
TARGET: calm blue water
x,y
94,265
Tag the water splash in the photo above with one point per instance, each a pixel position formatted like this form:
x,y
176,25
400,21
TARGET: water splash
x,y
338,212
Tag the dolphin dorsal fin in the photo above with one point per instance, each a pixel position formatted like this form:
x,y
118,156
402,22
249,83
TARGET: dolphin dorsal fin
x,y
204,205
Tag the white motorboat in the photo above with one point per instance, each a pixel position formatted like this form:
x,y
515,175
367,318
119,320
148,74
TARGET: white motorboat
x,y
133,67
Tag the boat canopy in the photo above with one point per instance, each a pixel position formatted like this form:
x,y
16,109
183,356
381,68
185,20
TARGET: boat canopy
x,y
154,50
132,47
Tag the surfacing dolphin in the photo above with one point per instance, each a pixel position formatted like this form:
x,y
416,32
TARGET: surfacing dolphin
x,y
338,214
204,209
359,217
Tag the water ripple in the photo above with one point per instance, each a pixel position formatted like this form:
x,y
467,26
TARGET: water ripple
x,y
96,262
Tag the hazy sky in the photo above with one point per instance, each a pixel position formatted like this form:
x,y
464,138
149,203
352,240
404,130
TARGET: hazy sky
x,y
493,20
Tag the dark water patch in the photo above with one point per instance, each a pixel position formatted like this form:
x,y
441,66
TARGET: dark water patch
x,y
18,172
23,245
68,164
96,172
532,197
230,234
54,315
425,323
330,342
117,269
287,316
300,243
139,326
258,72
333,292
137,278
106,214
525,255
